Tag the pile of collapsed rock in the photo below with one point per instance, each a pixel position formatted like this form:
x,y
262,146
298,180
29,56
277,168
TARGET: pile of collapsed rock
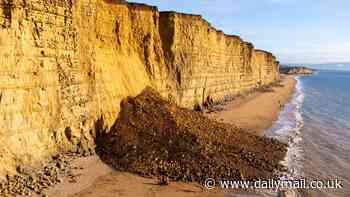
x,y
153,137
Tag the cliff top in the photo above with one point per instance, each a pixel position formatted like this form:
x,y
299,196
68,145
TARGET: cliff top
x,y
142,6
200,18
134,5
263,51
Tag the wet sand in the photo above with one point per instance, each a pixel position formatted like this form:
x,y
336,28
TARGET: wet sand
x,y
254,112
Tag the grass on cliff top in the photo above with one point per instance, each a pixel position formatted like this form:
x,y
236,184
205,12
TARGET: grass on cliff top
x,y
153,137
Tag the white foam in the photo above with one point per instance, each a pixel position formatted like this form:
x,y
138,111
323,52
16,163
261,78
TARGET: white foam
x,y
287,128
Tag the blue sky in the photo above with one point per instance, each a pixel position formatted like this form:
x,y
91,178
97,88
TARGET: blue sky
x,y
297,31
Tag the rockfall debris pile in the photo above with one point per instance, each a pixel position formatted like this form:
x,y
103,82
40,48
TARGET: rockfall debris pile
x,y
153,137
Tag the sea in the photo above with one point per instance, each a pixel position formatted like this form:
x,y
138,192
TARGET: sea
x,y
316,126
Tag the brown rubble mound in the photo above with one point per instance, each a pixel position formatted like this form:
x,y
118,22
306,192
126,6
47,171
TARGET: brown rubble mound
x,y
153,137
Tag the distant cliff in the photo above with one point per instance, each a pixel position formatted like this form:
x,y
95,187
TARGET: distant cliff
x,y
296,70
65,64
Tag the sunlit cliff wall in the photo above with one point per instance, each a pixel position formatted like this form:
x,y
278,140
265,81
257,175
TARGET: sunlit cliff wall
x,y
64,64
208,63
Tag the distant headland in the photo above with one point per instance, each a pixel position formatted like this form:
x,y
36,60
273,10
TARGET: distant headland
x,y
296,70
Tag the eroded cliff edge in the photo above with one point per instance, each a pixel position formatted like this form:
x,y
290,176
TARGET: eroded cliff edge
x,y
65,64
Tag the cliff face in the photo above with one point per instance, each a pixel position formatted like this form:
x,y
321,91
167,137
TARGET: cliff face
x,y
64,64
207,63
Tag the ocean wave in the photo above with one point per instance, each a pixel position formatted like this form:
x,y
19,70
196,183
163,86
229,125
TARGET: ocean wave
x,y
287,128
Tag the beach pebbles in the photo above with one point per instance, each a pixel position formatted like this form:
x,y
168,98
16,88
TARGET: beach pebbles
x,y
33,181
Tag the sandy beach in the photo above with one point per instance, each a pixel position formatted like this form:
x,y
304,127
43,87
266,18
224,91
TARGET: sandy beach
x,y
254,112
259,110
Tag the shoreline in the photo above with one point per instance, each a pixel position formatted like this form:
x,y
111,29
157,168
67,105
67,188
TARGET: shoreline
x,y
96,178
257,111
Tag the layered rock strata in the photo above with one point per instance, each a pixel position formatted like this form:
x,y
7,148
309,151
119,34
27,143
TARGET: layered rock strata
x,y
64,64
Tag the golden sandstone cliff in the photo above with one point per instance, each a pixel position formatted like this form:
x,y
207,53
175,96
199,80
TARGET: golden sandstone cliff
x,y
65,64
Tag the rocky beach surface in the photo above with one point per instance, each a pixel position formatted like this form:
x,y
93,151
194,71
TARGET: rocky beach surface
x,y
34,181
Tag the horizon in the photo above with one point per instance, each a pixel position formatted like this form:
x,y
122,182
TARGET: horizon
x,y
339,66
297,32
